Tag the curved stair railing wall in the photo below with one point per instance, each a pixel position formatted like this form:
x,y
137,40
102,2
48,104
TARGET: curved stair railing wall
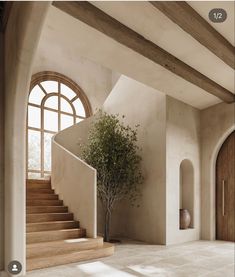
x,y
72,178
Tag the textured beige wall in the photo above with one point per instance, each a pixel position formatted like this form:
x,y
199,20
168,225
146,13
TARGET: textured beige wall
x,y
182,142
94,79
170,132
148,110
72,137
145,106
75,182
217,123
1,157
21,38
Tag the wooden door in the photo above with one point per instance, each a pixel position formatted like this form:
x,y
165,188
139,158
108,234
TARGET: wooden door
x,y
225,191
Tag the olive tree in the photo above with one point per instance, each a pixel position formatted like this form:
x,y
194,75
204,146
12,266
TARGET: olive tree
x,y
112,149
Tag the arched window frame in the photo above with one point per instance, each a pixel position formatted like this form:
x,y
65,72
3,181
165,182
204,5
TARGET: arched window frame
x,y
61,79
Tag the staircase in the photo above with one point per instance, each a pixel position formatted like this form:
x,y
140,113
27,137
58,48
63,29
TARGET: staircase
x,y
53,237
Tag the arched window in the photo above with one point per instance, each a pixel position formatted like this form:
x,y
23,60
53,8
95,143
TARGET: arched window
x,y
55,103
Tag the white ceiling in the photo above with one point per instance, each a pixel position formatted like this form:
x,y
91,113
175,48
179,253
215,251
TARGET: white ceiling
x,y
61,31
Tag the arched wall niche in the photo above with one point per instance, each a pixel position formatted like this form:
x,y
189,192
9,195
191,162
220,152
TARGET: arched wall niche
x,y
187,193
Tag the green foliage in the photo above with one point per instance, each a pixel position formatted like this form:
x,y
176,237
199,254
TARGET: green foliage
x,y
112,149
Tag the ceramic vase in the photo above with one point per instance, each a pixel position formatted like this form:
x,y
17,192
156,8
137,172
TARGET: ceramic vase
x,y
185,219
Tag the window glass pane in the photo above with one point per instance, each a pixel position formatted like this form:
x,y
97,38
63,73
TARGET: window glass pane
x,y
50,121
78,119
47,151
34,149
66,121
32,175
34,117
66,91
65,106
36,95
50,86
52,102
79,107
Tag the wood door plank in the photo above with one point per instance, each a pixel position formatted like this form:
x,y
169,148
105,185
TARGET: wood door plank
x,y
225,170
231,188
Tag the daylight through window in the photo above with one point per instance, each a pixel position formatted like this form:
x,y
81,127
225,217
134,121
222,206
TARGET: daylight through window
x,y
55,103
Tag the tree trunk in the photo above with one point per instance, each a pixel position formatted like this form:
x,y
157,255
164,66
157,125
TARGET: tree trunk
x,y
107,225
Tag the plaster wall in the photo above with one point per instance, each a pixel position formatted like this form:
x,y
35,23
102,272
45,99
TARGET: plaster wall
x,y
80,196
72,137
1,156
169,133
217,122
147,108
21,38
76,198
81,39
182,142
94,79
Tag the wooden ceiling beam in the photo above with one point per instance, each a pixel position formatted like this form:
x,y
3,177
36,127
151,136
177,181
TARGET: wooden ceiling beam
x,y
97,19
191,22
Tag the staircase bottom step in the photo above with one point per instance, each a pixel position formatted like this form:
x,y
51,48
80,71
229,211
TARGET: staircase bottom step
x,y
49,249
38,263
54,235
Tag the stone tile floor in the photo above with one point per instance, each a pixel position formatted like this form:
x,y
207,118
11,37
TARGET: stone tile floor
x,y
131,258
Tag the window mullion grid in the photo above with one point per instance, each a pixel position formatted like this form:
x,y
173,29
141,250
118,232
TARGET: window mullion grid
x,y
42,88
59,106
74,98
54,110
41,129
74,113
38,129
27,147
42,141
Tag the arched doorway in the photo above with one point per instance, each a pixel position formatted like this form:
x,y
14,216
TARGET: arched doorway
x,y
225,190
